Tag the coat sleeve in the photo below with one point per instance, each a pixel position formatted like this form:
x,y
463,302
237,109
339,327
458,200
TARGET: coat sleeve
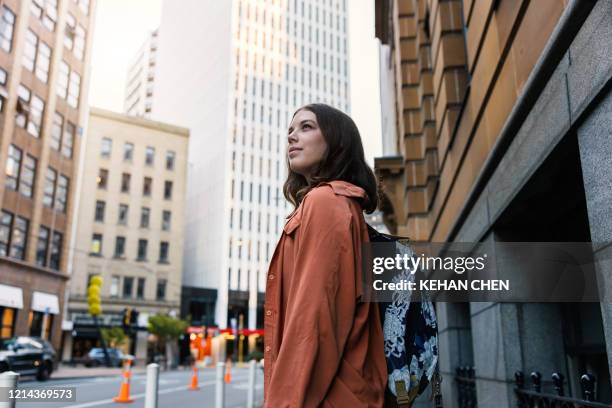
x,y
322,302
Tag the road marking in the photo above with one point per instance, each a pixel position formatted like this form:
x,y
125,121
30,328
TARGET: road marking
x,y
136,396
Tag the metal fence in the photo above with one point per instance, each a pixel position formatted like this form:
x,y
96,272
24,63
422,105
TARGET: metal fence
x,y
535,398
466,387
531,396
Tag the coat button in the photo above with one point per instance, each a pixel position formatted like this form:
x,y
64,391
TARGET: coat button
x,y
268,349
268,312
271,276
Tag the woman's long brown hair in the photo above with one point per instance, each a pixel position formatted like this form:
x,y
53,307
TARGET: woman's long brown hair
x,y
344,158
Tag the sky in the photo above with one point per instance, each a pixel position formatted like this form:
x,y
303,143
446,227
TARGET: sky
x,y
122,26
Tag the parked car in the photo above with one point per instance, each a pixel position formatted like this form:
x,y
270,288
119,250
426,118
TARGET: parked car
x,y
96,358
28,356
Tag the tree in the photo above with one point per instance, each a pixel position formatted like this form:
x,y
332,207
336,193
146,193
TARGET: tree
x,y
167,330
115,337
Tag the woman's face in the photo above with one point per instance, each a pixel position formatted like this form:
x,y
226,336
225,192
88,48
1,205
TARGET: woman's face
x,y
306,145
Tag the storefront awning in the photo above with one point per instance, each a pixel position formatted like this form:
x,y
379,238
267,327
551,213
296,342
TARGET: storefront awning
x,y
11,296
45,302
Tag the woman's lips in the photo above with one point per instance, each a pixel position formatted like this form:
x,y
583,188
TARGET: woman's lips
x,y
293,152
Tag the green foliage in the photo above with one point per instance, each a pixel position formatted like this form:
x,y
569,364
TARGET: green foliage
x,y
166,327
115,337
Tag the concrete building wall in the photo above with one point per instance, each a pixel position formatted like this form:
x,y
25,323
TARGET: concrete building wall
x,y
526,143
115,131
38,44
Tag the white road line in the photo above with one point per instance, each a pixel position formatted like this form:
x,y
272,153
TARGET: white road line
x,y
135,396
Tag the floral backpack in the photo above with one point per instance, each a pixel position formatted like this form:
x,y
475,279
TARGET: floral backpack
x,y
411,337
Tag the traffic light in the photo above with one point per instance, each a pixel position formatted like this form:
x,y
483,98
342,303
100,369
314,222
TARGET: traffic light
x,y
127,317
93,296
134,320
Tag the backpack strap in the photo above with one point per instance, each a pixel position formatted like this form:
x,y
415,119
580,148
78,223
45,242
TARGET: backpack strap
x,y
404,399
436,388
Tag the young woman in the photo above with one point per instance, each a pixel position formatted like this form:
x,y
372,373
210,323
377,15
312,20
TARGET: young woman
x,y
323,345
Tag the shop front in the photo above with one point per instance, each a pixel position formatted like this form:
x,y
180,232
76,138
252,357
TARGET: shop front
x,y
11,301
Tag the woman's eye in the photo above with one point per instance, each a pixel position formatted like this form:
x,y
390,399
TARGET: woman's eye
x,y
306,126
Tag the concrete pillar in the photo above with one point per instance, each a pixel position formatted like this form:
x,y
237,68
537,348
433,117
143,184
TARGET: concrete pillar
x,y
455,346
508,337
67,350
595,145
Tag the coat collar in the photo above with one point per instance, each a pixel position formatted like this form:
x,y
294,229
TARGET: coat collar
x,y
345,188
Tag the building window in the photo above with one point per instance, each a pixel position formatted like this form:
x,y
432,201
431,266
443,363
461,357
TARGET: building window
x,y
79,42
62,80
42,246
140,288
62,193
29,51
67,143
119,247
19,238
100,207
56,131
70,31
49,190
43,57
123,214
3,81
102,178
46,11
168,190
29,111
28,175
56,250
106,147
163,252
144,217
166,220
160,293
149,155
12,168
128,286
37,108
7,23
7,322
114,287
125,182
74,89
147,186
142,249
6,220
128,151
84,6
170,156
96,244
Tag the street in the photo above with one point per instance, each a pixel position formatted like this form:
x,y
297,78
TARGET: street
x,y
99,391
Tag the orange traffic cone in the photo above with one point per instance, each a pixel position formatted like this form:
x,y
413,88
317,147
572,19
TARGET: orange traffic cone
x,y
124,391
194,380
228,372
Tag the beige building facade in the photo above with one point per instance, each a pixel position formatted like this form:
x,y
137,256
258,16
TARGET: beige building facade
x,y
44,74
129,228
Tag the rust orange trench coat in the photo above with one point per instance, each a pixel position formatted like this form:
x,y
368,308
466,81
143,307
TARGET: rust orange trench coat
x,y
323,346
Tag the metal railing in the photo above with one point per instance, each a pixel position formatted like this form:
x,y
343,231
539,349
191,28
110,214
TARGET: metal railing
x,y
535,398
466,387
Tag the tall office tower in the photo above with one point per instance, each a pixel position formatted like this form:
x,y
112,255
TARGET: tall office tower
x,y
140,79
234,72
44,73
